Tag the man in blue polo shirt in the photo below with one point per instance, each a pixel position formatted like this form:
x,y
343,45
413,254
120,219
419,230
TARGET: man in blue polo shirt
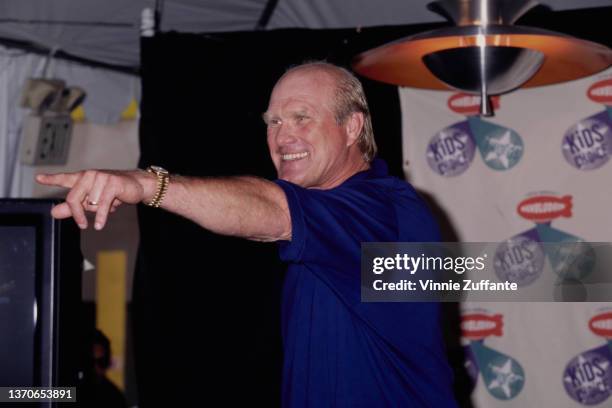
x,y
331,195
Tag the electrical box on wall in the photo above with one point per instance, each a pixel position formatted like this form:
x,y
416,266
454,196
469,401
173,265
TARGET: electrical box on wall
x,y
46,140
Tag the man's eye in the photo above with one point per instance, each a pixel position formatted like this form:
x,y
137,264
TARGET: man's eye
x,y
274,122
301,118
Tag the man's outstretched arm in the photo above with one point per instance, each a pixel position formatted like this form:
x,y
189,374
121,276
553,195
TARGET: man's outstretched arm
x,y
247,207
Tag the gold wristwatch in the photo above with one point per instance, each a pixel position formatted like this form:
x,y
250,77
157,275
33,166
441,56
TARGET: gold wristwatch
x,y
163,179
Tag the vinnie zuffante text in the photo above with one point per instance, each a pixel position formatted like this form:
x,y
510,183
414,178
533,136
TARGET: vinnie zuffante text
x,y
414,264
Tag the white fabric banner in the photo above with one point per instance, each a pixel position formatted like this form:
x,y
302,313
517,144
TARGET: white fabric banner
x,y
108,94
540,170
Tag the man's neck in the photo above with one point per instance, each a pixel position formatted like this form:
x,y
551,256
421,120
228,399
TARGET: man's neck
x,y
356,167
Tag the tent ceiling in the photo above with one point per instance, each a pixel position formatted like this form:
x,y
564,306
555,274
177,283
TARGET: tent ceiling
x,y
107,31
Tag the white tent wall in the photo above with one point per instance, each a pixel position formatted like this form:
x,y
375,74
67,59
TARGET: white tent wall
x,y
15,66
108,94
104,31
107,31
363,13
102,140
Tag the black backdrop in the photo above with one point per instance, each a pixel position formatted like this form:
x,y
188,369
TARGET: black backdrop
x,y
206,308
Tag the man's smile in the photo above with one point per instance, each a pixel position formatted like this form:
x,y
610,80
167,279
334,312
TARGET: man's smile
x,y
294,156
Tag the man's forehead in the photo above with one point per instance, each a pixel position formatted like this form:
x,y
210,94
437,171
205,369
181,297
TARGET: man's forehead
x,y
306,88
294,102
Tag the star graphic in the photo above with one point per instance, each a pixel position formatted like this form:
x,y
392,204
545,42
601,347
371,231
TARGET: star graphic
x,y
505,377
566,255
502,148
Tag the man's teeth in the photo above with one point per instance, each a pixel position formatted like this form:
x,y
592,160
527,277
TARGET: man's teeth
x,y
294,156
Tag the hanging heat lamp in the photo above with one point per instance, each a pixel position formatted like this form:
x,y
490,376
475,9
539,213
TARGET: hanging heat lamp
x,y
483,53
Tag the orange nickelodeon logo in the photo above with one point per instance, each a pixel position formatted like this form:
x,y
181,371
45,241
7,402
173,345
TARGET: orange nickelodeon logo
x,y
545,208
467,104
477,326
601,92
601,325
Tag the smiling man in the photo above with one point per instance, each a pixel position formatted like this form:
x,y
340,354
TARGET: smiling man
x,y
313,142
331,195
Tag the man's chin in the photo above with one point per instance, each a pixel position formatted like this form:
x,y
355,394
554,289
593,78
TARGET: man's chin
x,y
291,179
295,178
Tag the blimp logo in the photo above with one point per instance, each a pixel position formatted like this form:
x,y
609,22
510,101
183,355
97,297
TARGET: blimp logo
x,y
601,325
477,326
545,208
601,92
468,105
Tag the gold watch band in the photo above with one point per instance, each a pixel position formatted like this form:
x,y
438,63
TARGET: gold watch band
x,y
163,180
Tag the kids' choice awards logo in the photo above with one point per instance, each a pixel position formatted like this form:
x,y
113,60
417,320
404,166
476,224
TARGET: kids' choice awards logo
x,y
502,375
587,145
451,151
588,376
521,258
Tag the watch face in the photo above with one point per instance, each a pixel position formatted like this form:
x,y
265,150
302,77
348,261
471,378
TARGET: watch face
x,y
158,169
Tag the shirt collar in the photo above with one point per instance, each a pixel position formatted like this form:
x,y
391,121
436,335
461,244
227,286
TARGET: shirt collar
x,y
378,168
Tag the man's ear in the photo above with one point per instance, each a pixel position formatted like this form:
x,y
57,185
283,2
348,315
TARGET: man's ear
x,y
353,126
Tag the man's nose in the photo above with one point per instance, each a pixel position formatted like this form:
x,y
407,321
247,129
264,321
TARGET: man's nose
x,y
284,135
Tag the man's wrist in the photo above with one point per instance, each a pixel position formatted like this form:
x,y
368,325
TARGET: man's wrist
x,y
149,184
162,180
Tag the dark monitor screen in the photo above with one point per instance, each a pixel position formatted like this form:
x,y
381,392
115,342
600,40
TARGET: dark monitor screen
x,y
40,295
17,304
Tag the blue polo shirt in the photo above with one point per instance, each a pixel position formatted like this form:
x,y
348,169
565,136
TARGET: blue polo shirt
x,y
338,351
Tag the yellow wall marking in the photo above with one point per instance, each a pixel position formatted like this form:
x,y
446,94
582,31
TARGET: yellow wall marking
x,y
111,308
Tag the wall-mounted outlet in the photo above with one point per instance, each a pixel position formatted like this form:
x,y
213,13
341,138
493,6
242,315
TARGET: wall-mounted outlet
x,y
46,140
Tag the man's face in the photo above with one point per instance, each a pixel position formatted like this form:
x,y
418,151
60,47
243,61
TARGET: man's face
x,y
306,144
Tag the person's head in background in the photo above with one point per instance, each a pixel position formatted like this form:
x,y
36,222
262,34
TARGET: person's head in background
x,y
101,350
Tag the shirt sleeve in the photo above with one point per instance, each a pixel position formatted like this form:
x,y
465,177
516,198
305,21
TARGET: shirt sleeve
x,y
292,250
328,226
